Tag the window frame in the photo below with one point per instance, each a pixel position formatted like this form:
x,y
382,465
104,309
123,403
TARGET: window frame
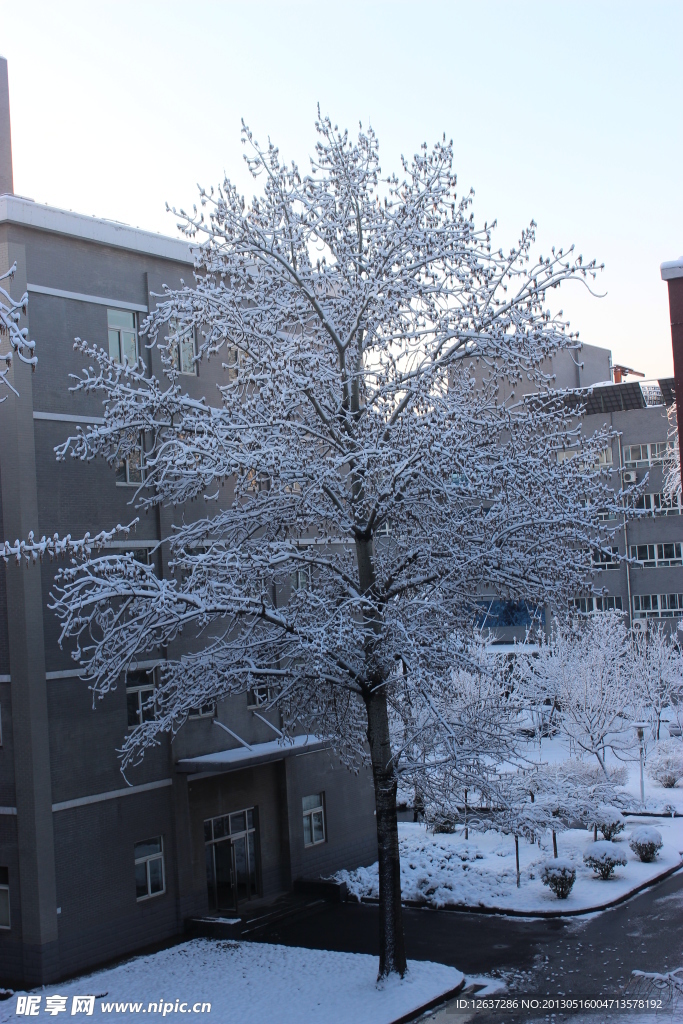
x,y
301,573
651,453
598,603
207,710
146,861
601,560
663,609
125,462
175,350
119,330
308,813
656,558
140,689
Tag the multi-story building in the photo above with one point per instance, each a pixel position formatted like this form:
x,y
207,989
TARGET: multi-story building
x,y
649,584
94,865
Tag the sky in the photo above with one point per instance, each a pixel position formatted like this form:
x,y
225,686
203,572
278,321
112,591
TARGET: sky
x,y
565,113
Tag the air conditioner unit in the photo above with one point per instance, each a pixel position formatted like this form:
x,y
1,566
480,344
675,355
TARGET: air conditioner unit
x,y
640,625
630,476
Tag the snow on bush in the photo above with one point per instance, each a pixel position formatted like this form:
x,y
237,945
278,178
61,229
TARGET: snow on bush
x,y
646,842
665,763
559,876
603,857
610,822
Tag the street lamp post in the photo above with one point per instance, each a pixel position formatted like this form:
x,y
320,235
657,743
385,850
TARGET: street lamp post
x,y
640,728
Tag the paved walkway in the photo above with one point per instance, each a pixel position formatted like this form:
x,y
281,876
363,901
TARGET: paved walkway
x,y
581,957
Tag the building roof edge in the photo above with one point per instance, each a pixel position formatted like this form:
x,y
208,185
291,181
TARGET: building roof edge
x,y
671,269
16,210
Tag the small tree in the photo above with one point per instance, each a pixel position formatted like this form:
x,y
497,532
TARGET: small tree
x,y
574,790
672,464
366,446
665,763
585,669
657,674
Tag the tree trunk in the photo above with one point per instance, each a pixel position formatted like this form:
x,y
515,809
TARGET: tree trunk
x,y
392,953
554,844
517,858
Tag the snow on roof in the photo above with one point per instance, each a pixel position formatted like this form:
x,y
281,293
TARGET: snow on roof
x,y
255,753
671,269
17,210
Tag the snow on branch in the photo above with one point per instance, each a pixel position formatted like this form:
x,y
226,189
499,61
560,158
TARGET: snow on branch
x,y
32,550
384,454
13,337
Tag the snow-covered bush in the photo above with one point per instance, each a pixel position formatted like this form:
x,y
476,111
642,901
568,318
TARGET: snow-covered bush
x,y
610,822
646,842
665,763
603,857
559,876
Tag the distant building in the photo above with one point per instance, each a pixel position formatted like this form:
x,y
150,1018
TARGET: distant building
x,y
650,585
92,865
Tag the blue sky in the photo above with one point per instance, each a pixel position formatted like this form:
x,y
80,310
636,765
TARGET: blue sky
x,y
567,113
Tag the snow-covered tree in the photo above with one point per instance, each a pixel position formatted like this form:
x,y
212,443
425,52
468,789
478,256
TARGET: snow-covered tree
x,y
362,446
672,463
452,743
585,669
14,340
657,674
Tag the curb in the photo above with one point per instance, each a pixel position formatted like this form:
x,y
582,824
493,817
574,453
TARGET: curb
x,y
466,908
431,1005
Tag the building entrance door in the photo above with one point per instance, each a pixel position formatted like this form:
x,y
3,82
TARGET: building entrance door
x,y
232,863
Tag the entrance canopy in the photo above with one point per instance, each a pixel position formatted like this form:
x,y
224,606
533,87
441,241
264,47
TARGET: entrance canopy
x,y
248,756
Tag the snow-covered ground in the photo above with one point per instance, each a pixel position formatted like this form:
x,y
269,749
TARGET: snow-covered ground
x,y
442,870
439,870
251,983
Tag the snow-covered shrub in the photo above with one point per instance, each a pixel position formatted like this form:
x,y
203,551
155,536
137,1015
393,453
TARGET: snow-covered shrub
x,y
646,842
443,825
559,876
610,822
603,857
665,763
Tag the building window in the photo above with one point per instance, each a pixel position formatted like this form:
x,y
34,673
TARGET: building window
x,y
653,556
658,504
140,698
301,579
605,558
181,350
203,711
670,605
640,456
602,603
130,471
233,362
149,868
257,696
4,898
314,819
122,336
657,606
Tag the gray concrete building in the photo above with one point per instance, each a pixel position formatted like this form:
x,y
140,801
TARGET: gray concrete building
x,y
649,586
94,866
